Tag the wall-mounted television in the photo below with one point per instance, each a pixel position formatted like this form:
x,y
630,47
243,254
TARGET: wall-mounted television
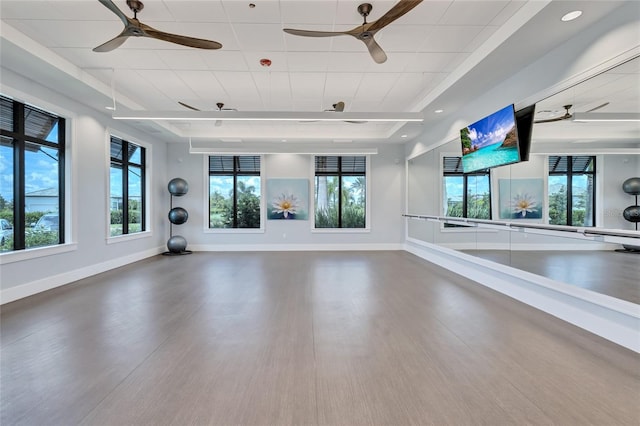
x,y
524,122
491,141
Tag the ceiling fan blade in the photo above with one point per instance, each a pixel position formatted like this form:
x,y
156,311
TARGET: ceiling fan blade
x,y
188,106
398,10
112,7
375,50
308,33
112,44
550,120
598,107
198,43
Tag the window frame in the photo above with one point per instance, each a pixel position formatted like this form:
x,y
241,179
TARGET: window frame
x,y
569,173
367,176
146,196
20,139
207,195
465,183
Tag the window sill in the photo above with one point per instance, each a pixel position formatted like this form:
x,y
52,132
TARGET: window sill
x,y
340,230
234,230
128,237
34,253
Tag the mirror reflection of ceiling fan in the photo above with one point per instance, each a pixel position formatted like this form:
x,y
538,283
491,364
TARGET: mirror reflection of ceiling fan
x,y
367,30
135,28
220,106
567,115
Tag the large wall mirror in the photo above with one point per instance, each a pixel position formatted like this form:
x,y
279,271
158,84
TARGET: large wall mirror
x,y
573,178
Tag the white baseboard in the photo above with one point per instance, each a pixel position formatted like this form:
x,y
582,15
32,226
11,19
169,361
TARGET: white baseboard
x,y
613,319
531,247
295,247
18,292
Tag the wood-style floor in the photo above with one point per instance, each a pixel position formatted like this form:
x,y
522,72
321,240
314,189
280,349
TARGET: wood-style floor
x,y
614,273
307,338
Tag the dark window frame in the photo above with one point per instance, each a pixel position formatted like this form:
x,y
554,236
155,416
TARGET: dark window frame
x,y
124,166
235,171
20,138
339,173
557,169
457,171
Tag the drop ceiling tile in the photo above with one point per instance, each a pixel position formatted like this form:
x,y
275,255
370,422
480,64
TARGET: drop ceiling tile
x,y
238,85
406,38
226,60
481,38
429,62
307,61
509,10
167,83
274,89
197,10
472,12
184,59
264,12
450,38
31,10
308,85
206,88
349,62
50,33
278,61
373,89
308,12
426,13
340,86
256,37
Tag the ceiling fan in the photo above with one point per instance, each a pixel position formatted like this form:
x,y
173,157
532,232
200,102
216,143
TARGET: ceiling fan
x,y
567,115
367,30
135,28
220,106
339,107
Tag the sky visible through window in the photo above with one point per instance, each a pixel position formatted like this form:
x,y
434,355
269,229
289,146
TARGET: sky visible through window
x,y
43,170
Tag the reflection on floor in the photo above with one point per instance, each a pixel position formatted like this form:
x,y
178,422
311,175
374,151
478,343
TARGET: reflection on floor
x,y
615,274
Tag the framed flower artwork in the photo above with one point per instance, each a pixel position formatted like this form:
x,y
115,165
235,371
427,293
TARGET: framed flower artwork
x,y
288,199
521,198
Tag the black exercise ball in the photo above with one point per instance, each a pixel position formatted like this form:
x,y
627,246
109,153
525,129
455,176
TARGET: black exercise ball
x,y
632,213
177,244
178,215
631,186
178,187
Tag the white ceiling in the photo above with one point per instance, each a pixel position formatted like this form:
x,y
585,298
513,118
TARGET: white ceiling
x,y
429,49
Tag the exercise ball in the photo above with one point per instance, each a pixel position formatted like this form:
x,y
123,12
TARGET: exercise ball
x,y
631,186
632,213
178,215
177,244
178,187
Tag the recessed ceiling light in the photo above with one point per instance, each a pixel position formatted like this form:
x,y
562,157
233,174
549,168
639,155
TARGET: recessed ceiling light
x,y
571,16
403,136
110,108
439,111
283,140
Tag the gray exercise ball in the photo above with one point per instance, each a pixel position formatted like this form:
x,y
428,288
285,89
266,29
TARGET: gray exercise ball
x,y
178,187
177,244
178,215
632,213
632,186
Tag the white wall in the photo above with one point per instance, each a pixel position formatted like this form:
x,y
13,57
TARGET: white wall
x,y
87,251
386,206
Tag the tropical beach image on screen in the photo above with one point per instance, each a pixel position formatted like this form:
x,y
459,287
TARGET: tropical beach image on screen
x,y
490,142
288,199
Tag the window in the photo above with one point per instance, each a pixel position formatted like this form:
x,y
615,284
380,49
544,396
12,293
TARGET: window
x,y
571,188
465,195
340,192
234,191
127,200
32,146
